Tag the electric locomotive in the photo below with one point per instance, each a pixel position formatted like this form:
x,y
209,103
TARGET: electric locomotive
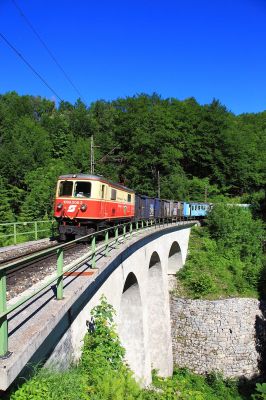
x,y
85,203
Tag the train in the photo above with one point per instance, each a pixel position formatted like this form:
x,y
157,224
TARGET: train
x,y
86,203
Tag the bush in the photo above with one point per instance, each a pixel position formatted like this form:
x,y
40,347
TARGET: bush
x,y
184,385
261,389
54,385
225,258
201,285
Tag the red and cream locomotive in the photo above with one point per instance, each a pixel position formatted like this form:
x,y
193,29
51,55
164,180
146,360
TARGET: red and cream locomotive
x,y
85,203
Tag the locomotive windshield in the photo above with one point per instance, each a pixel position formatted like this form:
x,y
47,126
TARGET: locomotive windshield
x,y
66,188
82,189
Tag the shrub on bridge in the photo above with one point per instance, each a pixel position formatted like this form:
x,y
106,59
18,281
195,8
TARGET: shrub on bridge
x,y
103,358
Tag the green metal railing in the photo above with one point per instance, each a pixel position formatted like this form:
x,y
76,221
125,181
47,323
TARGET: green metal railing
x,y
127,231
28,230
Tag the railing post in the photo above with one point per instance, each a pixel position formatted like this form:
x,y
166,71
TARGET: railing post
x,y
116,237
15,233
93,248
142,224
35,230
124,232
130,230
106,252
3,320
137,226
60,265
147,223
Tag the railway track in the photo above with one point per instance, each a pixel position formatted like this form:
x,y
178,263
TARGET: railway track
x,y
33,266
33,252
10,253
18,257
31,271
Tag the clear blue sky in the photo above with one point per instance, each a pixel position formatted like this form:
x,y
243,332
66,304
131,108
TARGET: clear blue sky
x,y
110,49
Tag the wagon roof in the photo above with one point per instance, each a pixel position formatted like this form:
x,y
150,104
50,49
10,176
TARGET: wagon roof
x,y
95,178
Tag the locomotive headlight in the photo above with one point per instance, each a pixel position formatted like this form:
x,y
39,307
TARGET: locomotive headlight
x,y
59,206
83,207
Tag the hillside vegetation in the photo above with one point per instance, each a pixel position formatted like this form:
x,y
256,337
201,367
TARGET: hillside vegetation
x,y
225,257
198,149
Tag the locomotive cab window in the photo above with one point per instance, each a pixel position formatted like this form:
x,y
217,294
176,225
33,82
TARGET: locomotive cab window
x,y
65,188
113,194
129,198
83,189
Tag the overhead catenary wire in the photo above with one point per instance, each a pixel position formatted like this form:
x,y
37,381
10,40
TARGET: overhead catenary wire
x,y
47,48
30,66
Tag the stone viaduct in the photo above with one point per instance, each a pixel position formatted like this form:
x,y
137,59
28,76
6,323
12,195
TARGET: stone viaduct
x,y
134,279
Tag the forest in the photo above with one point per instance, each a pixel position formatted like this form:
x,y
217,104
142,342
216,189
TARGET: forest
x,y
201,152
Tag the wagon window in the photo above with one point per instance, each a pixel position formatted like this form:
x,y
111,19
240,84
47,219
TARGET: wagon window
x,y
65,188
129,198
192,207
113,194
83,189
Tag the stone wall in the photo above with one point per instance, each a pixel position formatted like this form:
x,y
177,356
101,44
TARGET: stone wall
x,y
223,335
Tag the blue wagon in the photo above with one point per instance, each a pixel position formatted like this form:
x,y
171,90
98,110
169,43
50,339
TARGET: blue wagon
x,y
195,209
144,207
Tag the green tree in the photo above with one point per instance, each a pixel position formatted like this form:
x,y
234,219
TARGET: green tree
x,y
6,214
25,148
41,185
234,228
